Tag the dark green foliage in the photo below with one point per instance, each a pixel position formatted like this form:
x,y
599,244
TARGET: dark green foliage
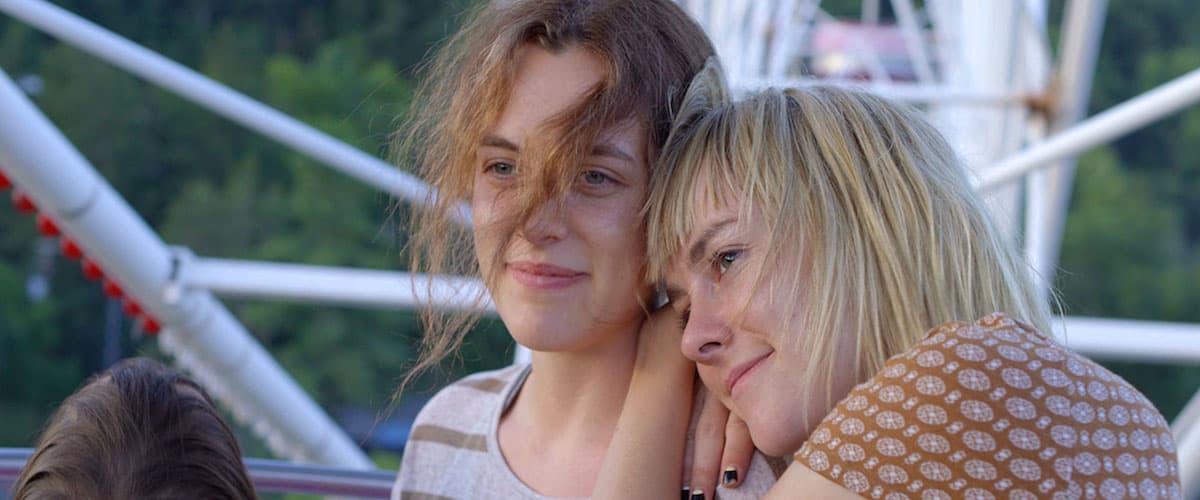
x,y
341,66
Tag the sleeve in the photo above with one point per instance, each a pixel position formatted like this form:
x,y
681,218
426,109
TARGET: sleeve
x,y
994,410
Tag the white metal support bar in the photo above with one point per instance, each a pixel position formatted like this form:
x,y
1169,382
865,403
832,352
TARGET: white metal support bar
x,y
906,16
792,23
268,476
1130,340
899,91
237,107
1187,418
1187,443
1168,98
1048,191
203,335
323,284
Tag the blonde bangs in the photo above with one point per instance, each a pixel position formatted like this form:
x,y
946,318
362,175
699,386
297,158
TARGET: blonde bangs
x,y
692,172
874,233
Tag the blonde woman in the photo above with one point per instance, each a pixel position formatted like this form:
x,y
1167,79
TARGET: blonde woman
x,y
546,115
811,238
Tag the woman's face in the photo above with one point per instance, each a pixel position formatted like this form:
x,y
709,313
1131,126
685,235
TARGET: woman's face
x,y
744,335
571,273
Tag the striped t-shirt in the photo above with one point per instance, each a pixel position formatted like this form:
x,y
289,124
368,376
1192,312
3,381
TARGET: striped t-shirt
x,y
452,450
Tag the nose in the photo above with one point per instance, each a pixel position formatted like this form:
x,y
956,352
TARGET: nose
x,y
546,224
706,334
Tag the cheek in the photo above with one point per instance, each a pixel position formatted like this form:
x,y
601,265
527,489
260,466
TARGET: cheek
x,y
711,377
770,315
613,230
483,202
486,213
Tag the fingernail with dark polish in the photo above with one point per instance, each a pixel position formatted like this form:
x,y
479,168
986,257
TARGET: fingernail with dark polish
x,y
687,493
730,478
698,495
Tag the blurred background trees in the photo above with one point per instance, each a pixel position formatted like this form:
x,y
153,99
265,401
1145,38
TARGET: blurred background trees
x,y
1131,250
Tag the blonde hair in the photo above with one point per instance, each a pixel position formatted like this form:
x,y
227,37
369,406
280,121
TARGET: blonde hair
x,y
651,48
869,216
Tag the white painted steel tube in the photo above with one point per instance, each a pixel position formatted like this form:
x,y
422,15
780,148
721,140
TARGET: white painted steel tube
x,y
40,160
309,283
906,14
1168,98
1188,451
1048,190
1130,340
237,107
905,92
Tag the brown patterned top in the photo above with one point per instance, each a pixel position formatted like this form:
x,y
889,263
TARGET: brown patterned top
x,y
994,410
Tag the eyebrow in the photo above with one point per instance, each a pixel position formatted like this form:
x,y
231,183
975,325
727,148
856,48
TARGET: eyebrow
x,y
602,149
499,142
605,149
699,248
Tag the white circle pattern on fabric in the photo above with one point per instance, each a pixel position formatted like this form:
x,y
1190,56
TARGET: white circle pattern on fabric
x,y
994,410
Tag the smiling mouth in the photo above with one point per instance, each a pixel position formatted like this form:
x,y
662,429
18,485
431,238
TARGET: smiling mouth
x,y
740,373
544,276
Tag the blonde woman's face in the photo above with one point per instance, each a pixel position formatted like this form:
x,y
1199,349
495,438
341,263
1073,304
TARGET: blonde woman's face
x,y
569,276
745,336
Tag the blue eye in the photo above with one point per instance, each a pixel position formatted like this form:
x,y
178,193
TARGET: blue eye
x,y
725,259
501,168
595,178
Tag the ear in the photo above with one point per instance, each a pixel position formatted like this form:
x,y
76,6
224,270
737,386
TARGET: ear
x,y
708,89
707,92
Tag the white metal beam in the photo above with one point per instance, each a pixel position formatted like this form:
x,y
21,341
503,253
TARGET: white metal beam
x,y
1187,444
239,372
904,92
1048,191
914,38
1168,98
324,284
220,99
1130,340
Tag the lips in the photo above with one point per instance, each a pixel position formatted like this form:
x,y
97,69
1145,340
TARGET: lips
x,y
742,370
544,276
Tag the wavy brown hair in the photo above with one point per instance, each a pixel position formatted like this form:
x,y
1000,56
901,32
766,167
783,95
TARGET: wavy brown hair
x,y
138,430
651,49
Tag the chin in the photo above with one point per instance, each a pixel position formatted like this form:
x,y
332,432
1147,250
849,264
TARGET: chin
x,y
542,336
776,439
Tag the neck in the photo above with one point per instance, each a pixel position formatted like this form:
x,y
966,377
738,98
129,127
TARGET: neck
x,y
556,433
580,393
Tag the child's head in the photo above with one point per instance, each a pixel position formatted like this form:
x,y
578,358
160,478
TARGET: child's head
x,y
138,430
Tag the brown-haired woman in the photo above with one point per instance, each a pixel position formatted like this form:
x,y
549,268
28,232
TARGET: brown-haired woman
x,y
137,430
546,114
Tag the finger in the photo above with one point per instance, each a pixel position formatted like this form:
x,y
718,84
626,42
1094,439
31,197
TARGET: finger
x,y
739,450
710,443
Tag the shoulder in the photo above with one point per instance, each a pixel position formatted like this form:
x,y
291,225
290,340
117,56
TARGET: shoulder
x,y
976,405
473,389
466,404
451,432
